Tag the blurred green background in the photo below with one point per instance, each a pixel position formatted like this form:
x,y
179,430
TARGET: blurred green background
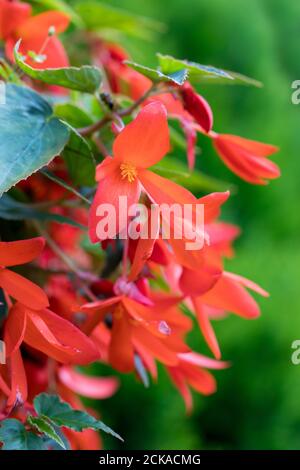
x,y
257,405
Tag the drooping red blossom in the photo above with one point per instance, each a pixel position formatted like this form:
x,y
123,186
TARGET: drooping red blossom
x,y
247,158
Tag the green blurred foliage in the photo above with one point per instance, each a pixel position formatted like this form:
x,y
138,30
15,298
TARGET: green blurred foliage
x,y
257,404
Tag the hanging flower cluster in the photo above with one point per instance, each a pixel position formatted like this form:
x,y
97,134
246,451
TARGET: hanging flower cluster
x,y
108,296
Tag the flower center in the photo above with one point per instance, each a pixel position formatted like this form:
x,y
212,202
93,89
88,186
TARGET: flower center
x,y
128,171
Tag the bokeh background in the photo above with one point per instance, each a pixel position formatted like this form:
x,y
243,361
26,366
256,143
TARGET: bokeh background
x,y
257,405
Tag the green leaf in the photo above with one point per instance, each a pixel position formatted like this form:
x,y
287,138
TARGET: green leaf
x,y
10,209
199,73
85,79
30,135
61,414
98,16
80,160
195,181
73,115
178,76
14,436
8,74
44,427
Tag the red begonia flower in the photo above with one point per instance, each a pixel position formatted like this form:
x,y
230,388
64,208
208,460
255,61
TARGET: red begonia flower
x,y
141,144
156,329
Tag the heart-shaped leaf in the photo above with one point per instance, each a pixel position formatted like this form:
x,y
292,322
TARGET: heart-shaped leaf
x,y
14,436
30,135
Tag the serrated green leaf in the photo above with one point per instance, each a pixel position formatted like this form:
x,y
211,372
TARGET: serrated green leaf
x,y
98,16
178,77
43,426
79,160
86,79
61,414
199,73
30,135
10,209
14,436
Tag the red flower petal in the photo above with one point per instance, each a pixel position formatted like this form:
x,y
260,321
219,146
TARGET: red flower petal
x,y
87,386
197,106
21,251
256,148
155,346
162,190
181,384
23,290
3,386
144,141
54,52
121,355
58,338
38,25
15,328
18,394
212,204
230,296
201,380
197,282
12,15
202,361
144,246
206,328
109,191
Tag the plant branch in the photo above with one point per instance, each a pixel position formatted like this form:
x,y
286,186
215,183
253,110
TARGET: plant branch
x,y
86,131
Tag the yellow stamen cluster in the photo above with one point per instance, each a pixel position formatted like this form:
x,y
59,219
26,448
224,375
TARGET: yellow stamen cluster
x,y
128,170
